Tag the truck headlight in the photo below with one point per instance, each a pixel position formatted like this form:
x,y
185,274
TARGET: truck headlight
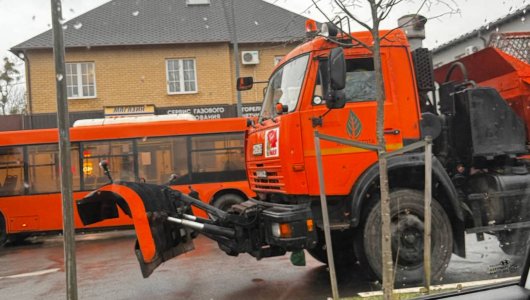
x,y
282,230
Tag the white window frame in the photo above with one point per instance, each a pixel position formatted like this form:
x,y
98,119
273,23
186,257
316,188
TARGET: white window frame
x,y
181,76
79,76
197,2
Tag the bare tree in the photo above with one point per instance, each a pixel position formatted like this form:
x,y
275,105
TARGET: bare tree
x,y
9,86
379,11
16,100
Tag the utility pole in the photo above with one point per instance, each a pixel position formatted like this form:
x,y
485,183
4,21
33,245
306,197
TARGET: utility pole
x,y
63,123
236,55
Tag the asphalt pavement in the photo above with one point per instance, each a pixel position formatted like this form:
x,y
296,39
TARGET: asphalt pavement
x,y
107,269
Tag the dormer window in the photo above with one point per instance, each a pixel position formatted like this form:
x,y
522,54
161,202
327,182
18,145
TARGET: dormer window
x,y
197,2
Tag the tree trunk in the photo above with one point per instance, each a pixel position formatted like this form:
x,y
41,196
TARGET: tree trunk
x,y
386,246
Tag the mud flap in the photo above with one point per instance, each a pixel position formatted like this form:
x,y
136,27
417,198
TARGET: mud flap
x,y
148,205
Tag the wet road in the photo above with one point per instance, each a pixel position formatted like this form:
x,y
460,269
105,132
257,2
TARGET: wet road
x,y
107,269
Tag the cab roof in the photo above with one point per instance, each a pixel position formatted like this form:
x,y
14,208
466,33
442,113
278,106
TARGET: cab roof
x,y
395,37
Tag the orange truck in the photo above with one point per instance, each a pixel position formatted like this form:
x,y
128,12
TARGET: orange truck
x,y
480,174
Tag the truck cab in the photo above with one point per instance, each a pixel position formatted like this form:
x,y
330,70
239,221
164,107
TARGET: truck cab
x,y
281,151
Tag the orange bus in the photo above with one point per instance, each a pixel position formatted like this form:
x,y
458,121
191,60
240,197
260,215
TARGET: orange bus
x,y
207,155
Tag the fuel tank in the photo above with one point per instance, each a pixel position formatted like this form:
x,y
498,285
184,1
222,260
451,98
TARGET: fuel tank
x,y
502,199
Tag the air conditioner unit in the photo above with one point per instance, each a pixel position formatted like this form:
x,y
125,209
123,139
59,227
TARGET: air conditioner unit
x,y
250,57
471,49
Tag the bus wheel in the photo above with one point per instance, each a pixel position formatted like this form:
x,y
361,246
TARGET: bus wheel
x,y
226,201
3,230
407,215
342,241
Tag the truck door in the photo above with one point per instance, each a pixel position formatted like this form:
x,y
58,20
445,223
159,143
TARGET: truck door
x,y
356,121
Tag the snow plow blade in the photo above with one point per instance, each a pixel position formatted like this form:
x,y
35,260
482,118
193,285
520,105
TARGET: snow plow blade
x,y
149,207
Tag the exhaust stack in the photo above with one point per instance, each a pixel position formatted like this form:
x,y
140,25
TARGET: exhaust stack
x,y
414,27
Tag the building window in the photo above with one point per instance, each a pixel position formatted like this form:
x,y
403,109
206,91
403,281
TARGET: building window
x,y
181,76
81,80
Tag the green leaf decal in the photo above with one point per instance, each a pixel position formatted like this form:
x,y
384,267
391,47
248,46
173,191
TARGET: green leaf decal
x,y
353,125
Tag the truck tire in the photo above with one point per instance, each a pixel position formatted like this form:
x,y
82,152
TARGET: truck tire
x,y
513,242
3,231
343,254
226,201
407,215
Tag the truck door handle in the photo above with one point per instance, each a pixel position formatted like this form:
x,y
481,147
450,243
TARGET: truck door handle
x,y
392,131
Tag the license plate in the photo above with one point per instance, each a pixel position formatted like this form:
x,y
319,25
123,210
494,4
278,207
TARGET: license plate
x,y
257,149
261,174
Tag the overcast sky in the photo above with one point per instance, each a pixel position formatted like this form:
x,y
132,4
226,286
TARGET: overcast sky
x,y
22,19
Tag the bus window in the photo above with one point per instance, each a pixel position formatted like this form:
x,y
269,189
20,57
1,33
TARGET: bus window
x,y
43,165
43,168
76,178
218,157
118,153
11,171
158,158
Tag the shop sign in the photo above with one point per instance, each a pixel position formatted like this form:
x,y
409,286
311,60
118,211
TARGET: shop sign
x,y
201,112
129,110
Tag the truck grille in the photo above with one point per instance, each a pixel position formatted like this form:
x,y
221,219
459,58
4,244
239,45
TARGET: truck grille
x,y
273,182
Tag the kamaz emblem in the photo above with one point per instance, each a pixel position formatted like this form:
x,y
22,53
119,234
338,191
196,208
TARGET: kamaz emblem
x,y
354,125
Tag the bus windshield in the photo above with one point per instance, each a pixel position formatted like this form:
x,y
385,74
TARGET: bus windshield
x,y
284,87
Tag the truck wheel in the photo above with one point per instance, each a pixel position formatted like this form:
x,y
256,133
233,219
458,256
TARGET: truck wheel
x,y
226,201
343,254
513,242
3,230
407,215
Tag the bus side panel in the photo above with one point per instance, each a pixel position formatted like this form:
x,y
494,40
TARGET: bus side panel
x,y
40,213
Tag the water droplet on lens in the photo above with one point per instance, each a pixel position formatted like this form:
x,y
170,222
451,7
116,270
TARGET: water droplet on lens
x,y
21,55
59,77
78,25
65,27
205,19
135,13
256,23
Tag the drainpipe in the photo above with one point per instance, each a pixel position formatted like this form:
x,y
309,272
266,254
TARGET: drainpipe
x,y
28,90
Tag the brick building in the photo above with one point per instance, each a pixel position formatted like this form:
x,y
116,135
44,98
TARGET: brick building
x,y
159,57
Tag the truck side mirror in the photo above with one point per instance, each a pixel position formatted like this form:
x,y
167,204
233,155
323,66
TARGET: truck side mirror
x,y
244,83
334,78
337,69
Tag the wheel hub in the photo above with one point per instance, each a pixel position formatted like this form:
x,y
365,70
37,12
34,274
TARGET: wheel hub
x,y
407,240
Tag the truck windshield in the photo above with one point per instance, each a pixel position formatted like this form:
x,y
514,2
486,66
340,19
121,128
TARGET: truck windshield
x,y
284,87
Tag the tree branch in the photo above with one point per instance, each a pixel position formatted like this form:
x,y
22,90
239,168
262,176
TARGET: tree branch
x,y
349,14
359,42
